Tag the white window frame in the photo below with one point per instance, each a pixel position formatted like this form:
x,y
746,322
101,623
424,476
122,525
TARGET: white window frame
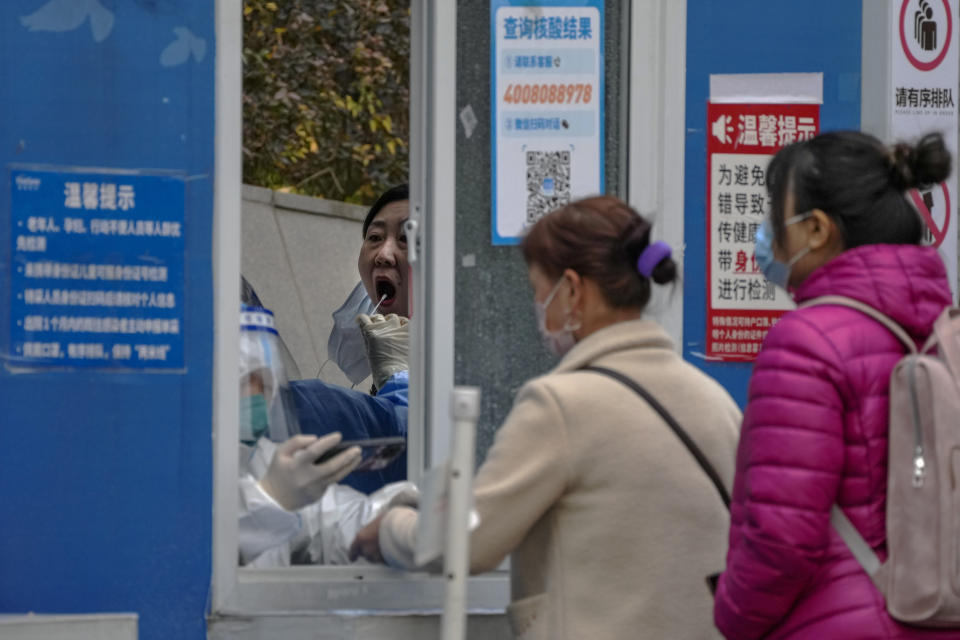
x,y
657,136
246,592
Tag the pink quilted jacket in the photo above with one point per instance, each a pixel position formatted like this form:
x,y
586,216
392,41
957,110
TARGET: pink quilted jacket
x,y
815,433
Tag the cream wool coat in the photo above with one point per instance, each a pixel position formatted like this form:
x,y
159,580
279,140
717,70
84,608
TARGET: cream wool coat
x,y
611,523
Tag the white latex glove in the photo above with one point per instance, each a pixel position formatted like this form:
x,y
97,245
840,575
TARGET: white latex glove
x,y
294,479
387,341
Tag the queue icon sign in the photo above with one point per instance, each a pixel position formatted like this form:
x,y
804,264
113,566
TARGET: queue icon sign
x,y
926,29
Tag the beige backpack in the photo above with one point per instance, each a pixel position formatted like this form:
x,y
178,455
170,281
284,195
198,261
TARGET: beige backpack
x,y
921,577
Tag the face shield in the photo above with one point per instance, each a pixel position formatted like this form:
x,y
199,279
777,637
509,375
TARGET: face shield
x,y
266,405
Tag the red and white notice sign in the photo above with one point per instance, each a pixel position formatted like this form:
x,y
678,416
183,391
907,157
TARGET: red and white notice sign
x,y
922,98
741,140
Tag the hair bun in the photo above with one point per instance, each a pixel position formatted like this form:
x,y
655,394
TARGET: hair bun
x,y
901,166
925,163
636,241
665,271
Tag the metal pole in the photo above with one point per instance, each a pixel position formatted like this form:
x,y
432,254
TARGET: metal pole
x,y
431,236
226,274
464,408
416,225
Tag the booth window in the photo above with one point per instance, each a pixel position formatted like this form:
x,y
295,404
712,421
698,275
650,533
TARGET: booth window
x,y
302,230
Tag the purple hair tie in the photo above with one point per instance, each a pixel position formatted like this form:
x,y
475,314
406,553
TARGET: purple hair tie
x,y
650,257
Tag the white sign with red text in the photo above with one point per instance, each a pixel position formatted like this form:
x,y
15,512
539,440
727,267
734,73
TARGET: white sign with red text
x,y
741,139
923,94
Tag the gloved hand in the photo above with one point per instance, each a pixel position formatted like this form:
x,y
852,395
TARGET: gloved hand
x,y
387,342
294,479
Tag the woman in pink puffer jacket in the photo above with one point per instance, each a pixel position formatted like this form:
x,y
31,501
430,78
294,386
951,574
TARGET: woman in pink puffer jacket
x,y
815,426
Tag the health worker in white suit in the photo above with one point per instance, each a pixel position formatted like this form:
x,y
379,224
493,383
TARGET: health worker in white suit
x,y
292,511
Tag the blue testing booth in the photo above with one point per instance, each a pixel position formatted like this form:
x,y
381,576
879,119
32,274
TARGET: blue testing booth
x,y
107,331
106,335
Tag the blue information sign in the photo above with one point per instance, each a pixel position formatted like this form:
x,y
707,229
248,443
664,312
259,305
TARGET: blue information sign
x,y
547,98
97,269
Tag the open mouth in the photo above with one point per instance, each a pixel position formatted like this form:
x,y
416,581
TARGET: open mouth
x,y
386,291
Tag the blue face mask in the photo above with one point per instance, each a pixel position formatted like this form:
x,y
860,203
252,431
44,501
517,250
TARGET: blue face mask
x,y
773,270
345,345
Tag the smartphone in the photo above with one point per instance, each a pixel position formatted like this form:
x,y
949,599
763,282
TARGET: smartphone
x,y
376,453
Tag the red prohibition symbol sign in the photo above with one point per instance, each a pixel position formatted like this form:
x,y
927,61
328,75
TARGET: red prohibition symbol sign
x,y
939,233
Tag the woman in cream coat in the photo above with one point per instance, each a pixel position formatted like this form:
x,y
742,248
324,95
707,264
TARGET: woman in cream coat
x,y
611,523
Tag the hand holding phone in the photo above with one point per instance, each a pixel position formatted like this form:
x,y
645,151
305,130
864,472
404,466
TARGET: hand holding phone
x,y
294,481
376,453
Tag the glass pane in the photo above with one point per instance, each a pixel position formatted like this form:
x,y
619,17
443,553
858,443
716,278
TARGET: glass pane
x,y
497,344
325,163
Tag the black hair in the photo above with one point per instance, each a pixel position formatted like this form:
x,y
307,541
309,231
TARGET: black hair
x,y
859,182
393,194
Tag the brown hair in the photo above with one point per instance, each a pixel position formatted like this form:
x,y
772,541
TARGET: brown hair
x,y
600,238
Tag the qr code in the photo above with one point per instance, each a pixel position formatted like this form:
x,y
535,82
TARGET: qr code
x,y
548,182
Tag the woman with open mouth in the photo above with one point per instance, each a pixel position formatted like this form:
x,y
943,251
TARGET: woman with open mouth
x,y
321,408
384,273
383,257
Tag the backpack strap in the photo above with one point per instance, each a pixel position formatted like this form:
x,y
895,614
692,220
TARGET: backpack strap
x,y
858,546
910,360
673,424
866,309
946,336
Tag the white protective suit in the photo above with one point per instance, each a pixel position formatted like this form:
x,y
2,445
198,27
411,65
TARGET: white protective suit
x,y
320,533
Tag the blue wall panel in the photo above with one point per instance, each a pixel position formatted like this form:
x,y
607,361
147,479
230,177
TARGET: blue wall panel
x,y
755,36
106,476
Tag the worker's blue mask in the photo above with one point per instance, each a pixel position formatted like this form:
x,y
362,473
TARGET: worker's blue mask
x,y
773,270
253,418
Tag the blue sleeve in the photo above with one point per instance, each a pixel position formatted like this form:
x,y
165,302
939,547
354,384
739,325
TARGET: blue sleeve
x,y
323,408
395,389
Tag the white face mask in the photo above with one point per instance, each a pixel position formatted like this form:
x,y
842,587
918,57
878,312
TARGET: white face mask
x,y
558,342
